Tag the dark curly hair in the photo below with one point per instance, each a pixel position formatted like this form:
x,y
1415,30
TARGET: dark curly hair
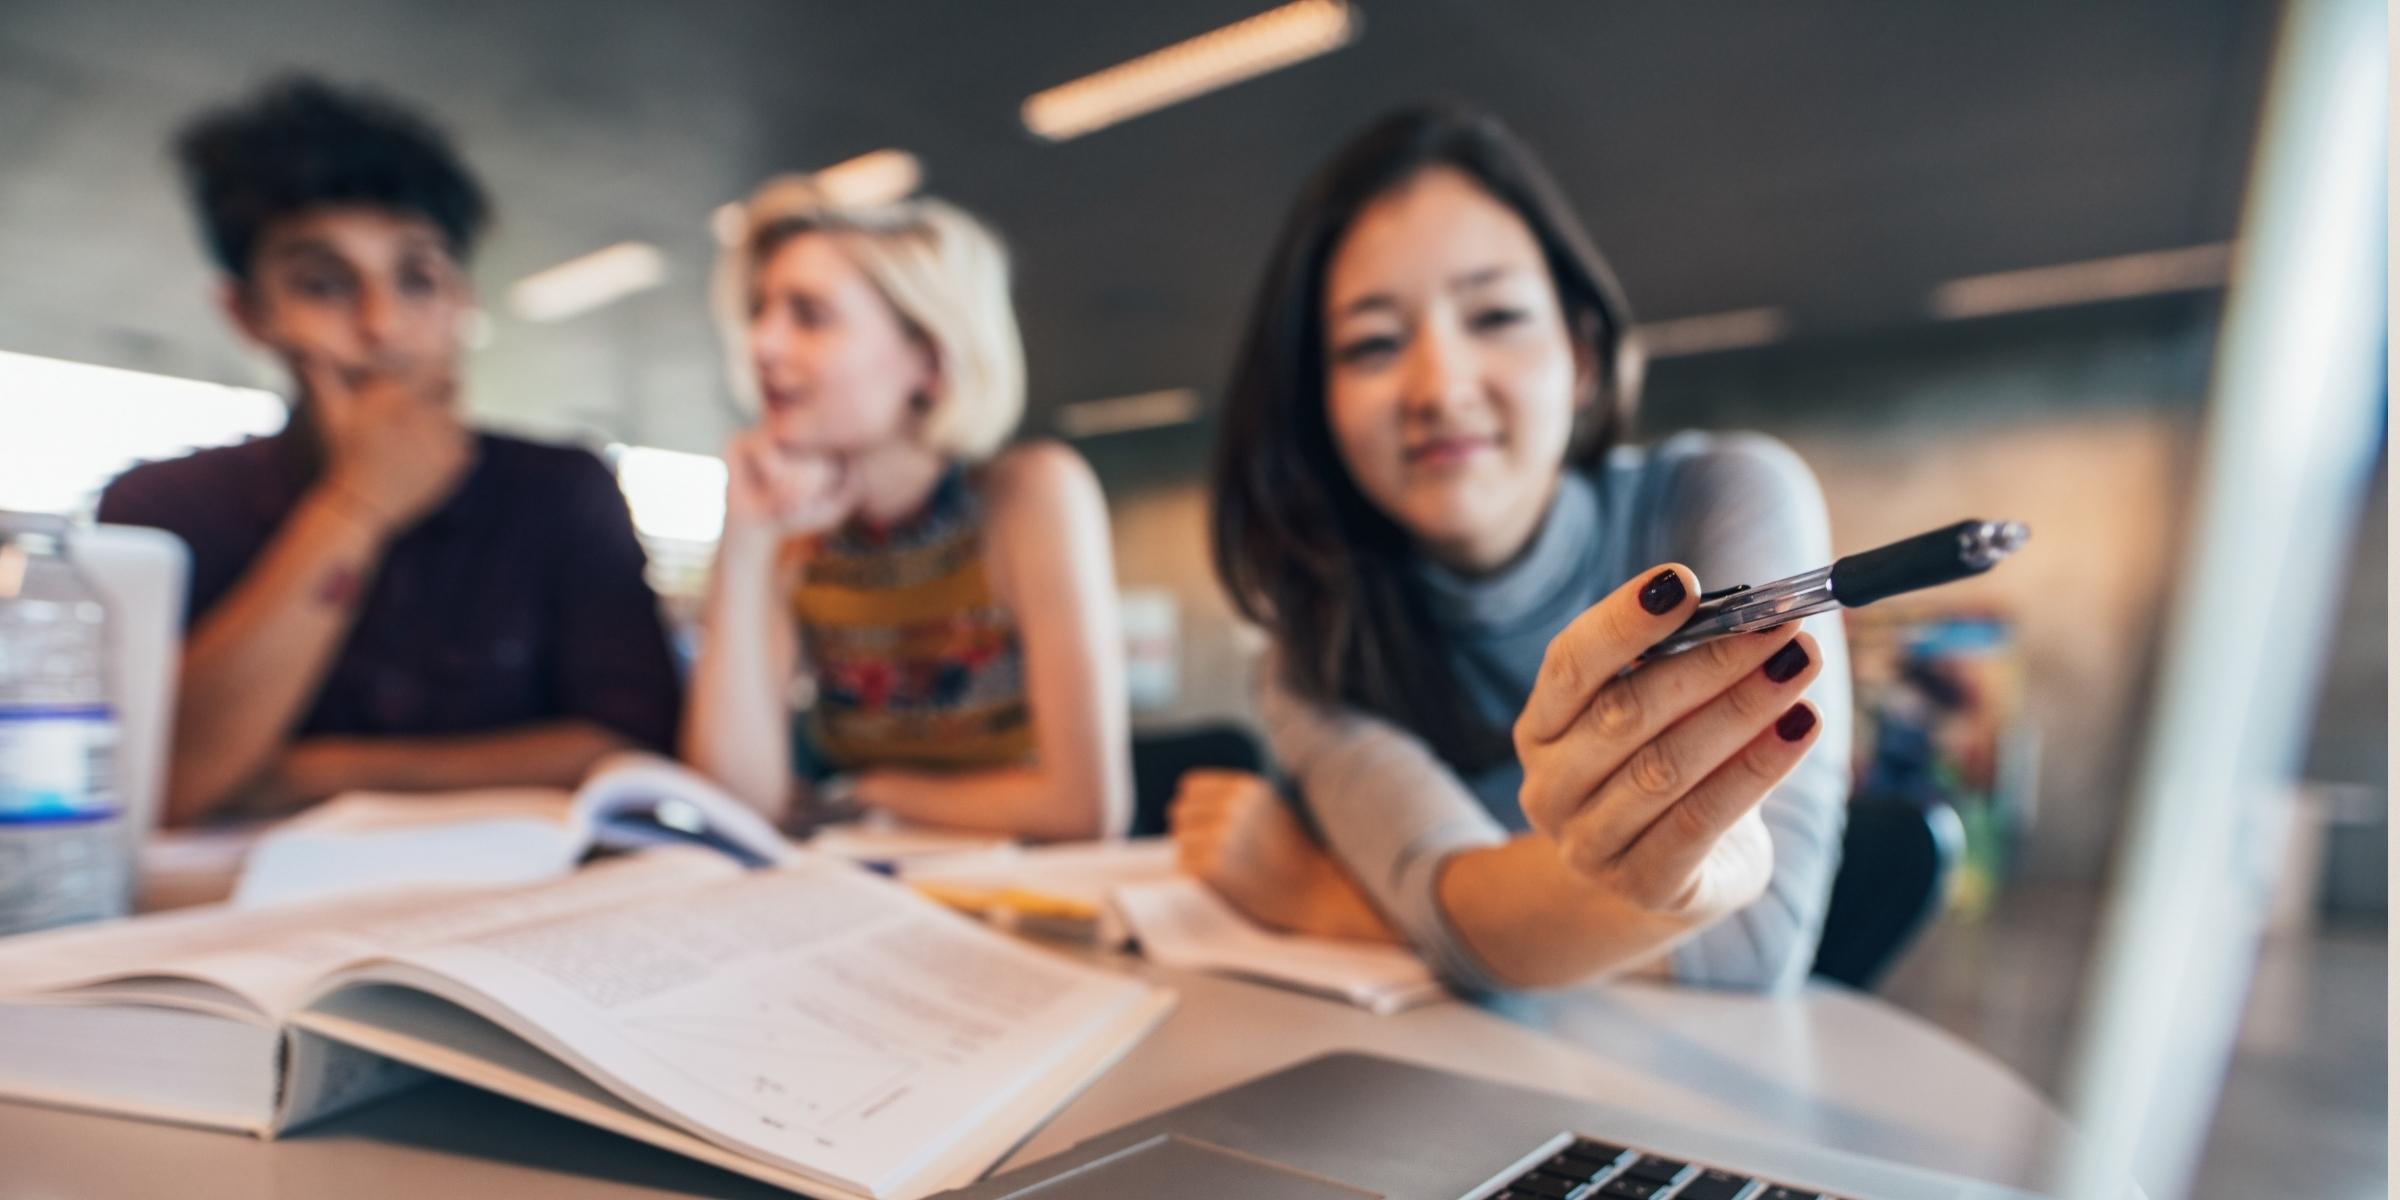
x,y
300,143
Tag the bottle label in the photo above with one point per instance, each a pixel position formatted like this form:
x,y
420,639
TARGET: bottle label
x,y
58,764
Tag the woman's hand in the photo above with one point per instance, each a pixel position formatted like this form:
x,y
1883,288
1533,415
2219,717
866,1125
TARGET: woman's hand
x,y
774,492
1234,833
1647,782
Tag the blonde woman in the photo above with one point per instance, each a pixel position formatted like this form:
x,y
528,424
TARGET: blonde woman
x,y
940,610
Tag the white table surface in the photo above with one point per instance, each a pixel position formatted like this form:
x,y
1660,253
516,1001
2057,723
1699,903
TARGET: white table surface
x,y
1825,1066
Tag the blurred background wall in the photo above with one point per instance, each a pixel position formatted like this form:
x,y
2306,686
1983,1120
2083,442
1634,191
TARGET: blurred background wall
x,y
1964,258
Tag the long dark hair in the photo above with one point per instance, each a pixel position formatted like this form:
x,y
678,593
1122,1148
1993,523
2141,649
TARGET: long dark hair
x,y
1300,550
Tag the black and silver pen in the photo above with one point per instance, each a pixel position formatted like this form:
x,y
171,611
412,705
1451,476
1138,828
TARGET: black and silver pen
x,y
1950,553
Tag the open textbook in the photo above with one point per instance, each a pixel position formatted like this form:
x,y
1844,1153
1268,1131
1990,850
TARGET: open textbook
x,y
812,1025
359,841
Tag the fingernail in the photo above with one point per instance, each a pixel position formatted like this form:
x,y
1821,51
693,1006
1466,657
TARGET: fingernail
x,y
1795,723
1663,592
1787,663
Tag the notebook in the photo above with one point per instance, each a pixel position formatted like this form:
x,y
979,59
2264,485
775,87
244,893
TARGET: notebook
x,y
1181,923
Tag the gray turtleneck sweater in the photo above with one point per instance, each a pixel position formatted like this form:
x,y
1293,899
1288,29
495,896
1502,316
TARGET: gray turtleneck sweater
x,y
1735,509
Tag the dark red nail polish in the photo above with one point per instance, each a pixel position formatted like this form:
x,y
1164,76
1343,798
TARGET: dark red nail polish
x,y
1663,592
1795,723
1787,663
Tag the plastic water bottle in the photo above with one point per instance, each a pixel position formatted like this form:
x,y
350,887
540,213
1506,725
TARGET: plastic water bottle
x,y
65,855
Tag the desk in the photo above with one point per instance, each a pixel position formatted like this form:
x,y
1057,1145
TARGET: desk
x,y
1825,1066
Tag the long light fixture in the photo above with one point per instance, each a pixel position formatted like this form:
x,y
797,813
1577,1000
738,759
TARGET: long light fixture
x,y
579,285
2151,273
1712,332
1124,414
1248,48
726,221
876,177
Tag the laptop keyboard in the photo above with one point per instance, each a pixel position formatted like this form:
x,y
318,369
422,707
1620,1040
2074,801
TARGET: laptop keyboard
x,y
1584,1169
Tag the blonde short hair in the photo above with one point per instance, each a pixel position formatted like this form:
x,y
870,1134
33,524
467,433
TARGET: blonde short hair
x,y
942,270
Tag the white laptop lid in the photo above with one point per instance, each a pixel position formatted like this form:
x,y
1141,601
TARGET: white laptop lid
x,y
140,575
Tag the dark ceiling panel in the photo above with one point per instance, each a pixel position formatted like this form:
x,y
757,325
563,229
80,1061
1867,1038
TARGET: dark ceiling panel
x,y
1836,158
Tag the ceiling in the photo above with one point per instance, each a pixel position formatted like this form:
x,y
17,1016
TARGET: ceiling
x,y
1835,159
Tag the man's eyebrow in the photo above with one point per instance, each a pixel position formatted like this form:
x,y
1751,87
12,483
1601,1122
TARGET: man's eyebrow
x,y
302,248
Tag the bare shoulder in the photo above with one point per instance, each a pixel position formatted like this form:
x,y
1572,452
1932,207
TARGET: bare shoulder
x,y
1040,483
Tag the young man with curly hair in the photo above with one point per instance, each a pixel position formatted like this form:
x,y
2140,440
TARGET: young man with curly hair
x,y
381,596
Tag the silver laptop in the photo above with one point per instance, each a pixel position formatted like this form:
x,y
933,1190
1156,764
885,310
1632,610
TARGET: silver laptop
x,y
1347,1126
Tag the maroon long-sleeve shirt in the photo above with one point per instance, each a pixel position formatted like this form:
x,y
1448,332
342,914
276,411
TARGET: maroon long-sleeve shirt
x,y
519,600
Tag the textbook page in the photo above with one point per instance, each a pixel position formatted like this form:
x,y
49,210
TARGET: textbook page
x,y
816,1017
635,800
270,958
415,1027
364,841
367,841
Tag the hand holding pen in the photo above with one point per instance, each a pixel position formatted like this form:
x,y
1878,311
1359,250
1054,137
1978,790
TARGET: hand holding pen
x,y
1944,555
1647,780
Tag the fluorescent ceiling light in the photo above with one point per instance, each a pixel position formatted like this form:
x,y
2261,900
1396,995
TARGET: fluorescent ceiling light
x,y
580,285
725,221
672,494
1248,48
2155,272
1712,332
1123,414
876,177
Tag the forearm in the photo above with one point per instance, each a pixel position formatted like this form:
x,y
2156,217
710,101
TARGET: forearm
x,y
1023,801
1330,904
736,725
1532,922
553,754
251,667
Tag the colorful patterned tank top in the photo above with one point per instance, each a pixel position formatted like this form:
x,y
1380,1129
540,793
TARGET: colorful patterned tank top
x,y
916,663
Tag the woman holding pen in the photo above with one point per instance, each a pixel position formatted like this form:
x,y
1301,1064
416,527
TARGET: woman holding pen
x,y
1426,494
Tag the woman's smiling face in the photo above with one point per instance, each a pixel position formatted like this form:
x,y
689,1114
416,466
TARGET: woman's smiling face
x,y
1452,378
